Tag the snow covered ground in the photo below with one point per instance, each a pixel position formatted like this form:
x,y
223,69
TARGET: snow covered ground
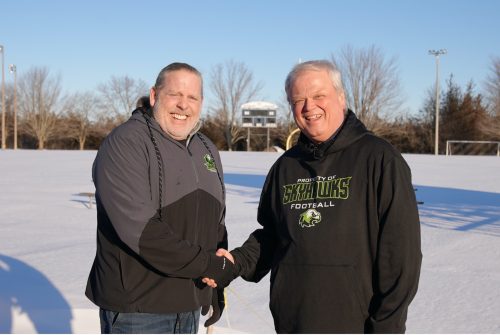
x,y
47,243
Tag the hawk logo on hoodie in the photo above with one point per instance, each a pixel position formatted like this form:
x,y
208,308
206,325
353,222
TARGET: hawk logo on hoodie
x,y
309,218
209,163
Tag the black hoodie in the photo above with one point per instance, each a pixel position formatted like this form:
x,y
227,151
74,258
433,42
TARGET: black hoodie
x,y
341,236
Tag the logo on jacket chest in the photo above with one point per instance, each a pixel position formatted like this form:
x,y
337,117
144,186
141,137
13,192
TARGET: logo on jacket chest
x,y
314,194
317,188
209,162
309,218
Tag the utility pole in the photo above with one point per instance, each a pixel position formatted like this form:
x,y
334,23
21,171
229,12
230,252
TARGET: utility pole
x,y
437,53
13,69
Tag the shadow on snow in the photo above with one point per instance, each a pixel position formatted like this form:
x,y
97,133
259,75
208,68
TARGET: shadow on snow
x,y
445,208
26,288
247,180
462,210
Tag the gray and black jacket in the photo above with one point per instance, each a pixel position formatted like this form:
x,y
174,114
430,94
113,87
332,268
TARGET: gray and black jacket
x,y
150,256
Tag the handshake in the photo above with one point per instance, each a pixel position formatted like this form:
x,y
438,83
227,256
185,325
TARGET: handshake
x,y
221,270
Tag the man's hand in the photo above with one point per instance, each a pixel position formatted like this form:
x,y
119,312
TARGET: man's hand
x,y
220,253
209,282
225,253
218,304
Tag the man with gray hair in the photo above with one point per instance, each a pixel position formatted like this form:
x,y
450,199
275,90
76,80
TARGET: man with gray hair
x,y
340,227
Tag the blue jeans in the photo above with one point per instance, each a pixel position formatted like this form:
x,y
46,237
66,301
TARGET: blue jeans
x,y
147,323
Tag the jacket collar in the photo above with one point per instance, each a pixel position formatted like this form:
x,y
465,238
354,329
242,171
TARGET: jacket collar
x,y
349,131
140,114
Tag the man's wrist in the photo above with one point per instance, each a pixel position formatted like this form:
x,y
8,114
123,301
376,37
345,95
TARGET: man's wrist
x,y
237,262
221,270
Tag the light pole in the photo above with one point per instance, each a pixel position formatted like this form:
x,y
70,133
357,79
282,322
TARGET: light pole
x,y
13,69
3,99
437,53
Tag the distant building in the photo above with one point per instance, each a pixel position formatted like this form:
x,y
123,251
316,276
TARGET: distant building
x,y
259,114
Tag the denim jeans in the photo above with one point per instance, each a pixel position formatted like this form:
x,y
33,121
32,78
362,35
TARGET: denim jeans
x,y
147,323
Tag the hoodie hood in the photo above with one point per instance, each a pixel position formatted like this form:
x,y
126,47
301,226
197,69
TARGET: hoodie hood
x,y
351,130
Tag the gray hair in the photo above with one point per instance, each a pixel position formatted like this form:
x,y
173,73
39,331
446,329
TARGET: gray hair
x,y
176,67
315,65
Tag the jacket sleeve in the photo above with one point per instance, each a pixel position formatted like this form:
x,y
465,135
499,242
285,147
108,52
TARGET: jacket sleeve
x,y
254,258
222,237
121,176
398,260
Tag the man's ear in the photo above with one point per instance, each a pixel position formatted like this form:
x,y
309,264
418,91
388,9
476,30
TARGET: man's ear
x,y
152,96
342,100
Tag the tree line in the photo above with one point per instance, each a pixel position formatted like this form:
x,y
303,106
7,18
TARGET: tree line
x,y
47,119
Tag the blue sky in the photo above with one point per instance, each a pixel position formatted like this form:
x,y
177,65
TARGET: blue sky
x,y
87,42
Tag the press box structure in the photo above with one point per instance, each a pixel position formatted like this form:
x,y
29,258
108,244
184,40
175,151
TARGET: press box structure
x,y
259,114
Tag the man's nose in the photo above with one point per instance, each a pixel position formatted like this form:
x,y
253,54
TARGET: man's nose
x,y
182,103
309,104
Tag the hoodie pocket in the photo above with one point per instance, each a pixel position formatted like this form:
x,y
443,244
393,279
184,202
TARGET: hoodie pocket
x,y
317,299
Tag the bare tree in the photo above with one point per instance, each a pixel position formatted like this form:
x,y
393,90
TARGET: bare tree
x,y
80,110
39,95
9,114
211,127
102,126
286,122
371,83
119,95
492,86
283,105
426,119
232,85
